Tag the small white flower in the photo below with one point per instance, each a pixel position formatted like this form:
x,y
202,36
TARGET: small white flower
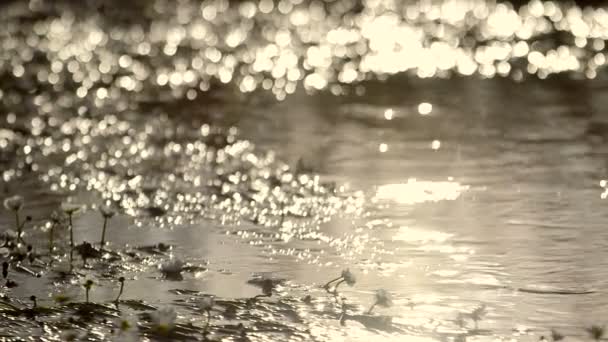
x,y
107,211
163,320
14,203
9,234
349,277
127,330
70,208
206,303
173,267
383,298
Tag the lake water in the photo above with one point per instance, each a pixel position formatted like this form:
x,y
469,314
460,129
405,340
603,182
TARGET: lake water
x,y
452,175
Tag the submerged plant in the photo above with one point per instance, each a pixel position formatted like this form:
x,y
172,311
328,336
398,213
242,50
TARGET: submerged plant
x,y
107,213
382,298
345,277
122,287
596,332
88,284
206,304
163,320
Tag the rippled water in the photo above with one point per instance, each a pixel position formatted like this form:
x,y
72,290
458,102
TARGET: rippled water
x,y
448,193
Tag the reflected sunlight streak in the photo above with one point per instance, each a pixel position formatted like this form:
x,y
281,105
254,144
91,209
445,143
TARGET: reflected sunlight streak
x,y
415,191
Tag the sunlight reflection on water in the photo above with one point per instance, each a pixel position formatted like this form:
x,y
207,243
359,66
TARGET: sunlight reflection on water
x,y
415,191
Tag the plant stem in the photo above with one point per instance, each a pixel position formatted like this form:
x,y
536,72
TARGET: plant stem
x,y
18,226
51,239
326,286
371,308
282,214
208,321
72,244
122,285
103,232
338,284
87,294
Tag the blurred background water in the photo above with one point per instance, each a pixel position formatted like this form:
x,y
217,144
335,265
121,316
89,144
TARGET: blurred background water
x,y
451,152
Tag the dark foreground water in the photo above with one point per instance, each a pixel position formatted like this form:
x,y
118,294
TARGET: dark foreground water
x,y
256,146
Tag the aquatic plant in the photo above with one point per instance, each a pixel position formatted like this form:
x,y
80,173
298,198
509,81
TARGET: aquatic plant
x,y
346,276
382,298
14,204
61,299
205,304
55,221
70,209
18,253
460,321
126,330
596,332
5,269
87,251
9,236
477,314
556,336
268,287
10,283
172,268
88,284
122,286
163,320
107,213
31,255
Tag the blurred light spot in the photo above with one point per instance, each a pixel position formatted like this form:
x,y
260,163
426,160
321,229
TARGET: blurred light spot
x,y
388,114
425,108
415,191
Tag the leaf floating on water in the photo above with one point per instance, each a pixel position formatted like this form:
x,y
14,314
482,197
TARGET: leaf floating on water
x,y
158,249
138,305
185,292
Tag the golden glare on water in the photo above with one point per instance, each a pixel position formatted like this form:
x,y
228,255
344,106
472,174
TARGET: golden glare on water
x,y
415,191
130,114
280,47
